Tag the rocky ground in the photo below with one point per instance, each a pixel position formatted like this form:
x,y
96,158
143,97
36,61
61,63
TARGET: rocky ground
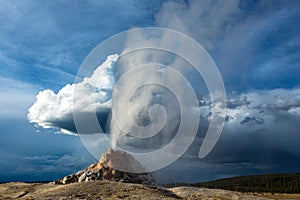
x,y
119,190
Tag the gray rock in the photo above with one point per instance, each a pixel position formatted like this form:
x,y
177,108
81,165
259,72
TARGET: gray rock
x,y
69,179
89,173
82,177
79,173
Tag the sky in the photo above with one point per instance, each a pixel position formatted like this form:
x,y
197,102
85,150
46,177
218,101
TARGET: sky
x,y
255,45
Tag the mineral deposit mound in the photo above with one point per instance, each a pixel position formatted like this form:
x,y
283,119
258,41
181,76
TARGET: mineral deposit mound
x,y
107,169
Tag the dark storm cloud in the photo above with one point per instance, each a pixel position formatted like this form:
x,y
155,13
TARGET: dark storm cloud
x,y
40,167
260,137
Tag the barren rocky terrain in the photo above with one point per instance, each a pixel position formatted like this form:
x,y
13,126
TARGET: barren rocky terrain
x,y
119,190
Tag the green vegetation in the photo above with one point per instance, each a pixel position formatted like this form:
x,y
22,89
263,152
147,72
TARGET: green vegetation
x,y
273,183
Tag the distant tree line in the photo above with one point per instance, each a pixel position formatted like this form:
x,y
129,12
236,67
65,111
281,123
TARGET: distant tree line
x,y
273,183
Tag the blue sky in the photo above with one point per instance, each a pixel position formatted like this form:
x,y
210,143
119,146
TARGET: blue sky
x,y
255,45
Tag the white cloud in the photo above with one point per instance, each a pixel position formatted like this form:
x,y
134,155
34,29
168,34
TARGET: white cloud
x,y
295,111
263,109
55,110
